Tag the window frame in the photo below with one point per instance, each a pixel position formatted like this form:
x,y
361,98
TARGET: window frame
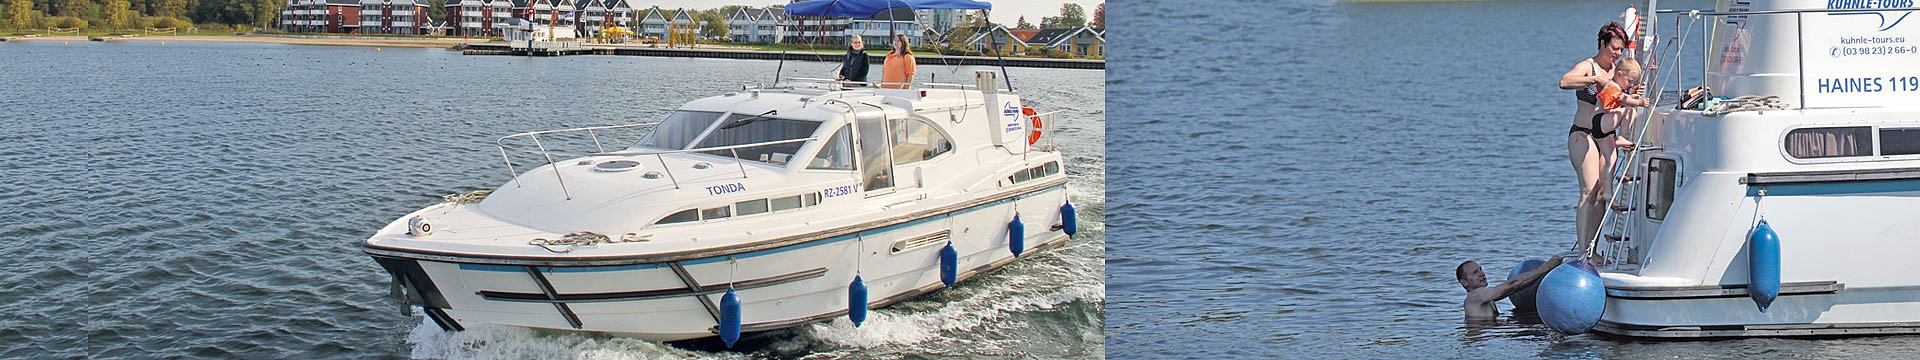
x,y
1678,181
1874,144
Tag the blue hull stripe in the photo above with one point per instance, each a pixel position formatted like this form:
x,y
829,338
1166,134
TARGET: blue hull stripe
x,y
1838,188
868,232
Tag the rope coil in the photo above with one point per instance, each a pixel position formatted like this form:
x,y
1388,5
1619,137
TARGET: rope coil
x,y
1744,103
467,198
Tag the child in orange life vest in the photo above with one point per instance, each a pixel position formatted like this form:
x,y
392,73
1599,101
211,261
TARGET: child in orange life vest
x,y
1617,102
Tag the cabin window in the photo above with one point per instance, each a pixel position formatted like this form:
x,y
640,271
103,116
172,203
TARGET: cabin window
x,y
1900,141
836,153
787,203
1664,181
690,215
1828,142
810,199
750,207
916,139
679,130
744,129
716,213
1053,167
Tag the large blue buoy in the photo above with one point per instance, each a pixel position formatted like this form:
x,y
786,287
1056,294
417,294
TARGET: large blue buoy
x,y
949,265
730,318
1523,300
1763,265
1571,299
1068,222
857,301
1017,235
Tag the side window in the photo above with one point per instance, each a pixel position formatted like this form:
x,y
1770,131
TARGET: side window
x,y
1899,141
916,139
1812,143
836,153
690,215
1663,176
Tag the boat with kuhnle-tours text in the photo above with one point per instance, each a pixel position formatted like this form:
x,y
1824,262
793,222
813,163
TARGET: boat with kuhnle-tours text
x,y
761,209
1785,204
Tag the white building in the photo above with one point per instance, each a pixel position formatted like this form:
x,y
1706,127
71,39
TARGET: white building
x,y
653,23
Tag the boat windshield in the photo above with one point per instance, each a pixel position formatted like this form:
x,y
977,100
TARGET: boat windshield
x,y
679,129
743,129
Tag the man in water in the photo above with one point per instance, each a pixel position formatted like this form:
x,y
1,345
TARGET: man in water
x,y
1481,298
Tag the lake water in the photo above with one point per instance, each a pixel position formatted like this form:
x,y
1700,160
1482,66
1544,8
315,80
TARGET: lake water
x,y
207,199
1298,179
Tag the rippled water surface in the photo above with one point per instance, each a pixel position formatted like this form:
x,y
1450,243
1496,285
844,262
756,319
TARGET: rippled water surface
x,y
206,199
1298,180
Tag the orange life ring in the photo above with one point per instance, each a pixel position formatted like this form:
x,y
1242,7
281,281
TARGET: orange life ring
x,y
1033,136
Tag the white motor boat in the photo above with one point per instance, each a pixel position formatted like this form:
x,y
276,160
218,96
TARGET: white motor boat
x,y
757,210
1820,142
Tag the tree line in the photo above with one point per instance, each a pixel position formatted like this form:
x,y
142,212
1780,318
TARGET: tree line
x,y
134,14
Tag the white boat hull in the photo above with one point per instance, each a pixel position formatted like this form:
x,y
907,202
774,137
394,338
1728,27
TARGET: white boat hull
x,y
778,287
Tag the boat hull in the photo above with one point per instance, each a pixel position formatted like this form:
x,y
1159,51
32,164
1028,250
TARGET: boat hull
x,y
1814,309
779,287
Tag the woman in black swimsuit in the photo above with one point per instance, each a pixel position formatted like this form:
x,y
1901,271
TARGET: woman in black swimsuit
x,y
1585,139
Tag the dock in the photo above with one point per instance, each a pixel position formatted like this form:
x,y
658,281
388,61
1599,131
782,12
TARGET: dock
x,y
564,48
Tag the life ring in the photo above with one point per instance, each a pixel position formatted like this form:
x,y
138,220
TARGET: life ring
x,y
1033,120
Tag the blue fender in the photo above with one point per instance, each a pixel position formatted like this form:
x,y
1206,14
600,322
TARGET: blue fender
x,y
1068,222
730,318
1523,300
1763,265
1017,235
949,265
1571,299
857,301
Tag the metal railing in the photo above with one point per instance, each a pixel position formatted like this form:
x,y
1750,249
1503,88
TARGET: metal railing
x,y
540,148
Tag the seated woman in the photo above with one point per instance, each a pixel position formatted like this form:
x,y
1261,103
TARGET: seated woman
x,y
897,72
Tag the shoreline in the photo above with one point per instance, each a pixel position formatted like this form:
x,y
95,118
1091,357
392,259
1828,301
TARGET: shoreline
x,y
494,47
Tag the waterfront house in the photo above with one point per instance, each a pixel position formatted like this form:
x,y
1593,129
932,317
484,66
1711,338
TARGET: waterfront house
x,y
995,40
743,25
405,17
653,23
593,16
769,24
877,28
684,23
1081,41
563,11
815,30
619,13
477,18
321,16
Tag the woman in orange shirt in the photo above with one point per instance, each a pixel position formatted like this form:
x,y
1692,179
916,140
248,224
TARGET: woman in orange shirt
x,y
897,72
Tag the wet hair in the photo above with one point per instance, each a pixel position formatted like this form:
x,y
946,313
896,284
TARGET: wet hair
x,y
1610,32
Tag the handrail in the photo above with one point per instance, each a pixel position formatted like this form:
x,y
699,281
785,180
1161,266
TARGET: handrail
x,y
657,152
539,148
